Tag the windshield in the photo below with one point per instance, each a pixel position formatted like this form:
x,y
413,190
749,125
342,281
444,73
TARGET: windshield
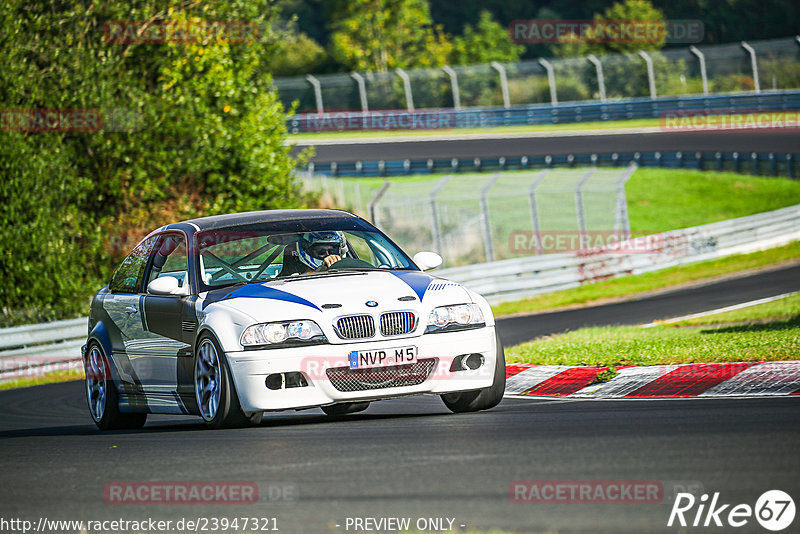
x,y
227,258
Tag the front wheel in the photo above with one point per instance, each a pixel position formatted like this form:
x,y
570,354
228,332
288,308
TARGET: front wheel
x,y
481,399
214,390
102,395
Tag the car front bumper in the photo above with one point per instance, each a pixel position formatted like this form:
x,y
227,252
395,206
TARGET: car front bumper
x,y
251,368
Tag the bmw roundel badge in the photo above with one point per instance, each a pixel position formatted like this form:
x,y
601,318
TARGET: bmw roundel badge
x,y
371,303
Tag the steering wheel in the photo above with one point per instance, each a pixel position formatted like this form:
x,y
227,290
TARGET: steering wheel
x,y
346,263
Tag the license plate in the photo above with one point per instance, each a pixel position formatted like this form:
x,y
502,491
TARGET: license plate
x,y
366,359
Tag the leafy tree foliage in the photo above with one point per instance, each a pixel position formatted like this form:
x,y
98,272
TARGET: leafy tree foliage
x,y
487,41
188,129
383,35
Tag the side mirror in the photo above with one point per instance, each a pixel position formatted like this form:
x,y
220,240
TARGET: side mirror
x,y
166,285
427,260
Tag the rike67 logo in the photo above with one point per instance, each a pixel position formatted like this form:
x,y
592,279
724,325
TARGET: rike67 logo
x,y
774,510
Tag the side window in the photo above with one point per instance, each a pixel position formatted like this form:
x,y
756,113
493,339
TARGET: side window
x,y
128,276
170,259
360,247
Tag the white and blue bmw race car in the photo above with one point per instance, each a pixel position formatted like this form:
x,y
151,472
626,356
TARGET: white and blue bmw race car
x,y
230,316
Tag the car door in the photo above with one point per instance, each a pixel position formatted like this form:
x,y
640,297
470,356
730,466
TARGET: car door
x,y
123,304
165,351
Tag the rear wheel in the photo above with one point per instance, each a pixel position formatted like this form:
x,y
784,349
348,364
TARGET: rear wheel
x,y
102,395
214,390
344,408
481,399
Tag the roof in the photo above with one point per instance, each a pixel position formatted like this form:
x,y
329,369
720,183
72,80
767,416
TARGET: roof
x,y
254,217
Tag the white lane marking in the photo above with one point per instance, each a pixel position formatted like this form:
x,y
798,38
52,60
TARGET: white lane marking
x,y
719,310
424,138
769,378
532,377
628,380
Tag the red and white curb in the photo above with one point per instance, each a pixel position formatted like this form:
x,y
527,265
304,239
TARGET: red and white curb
x,y
687,380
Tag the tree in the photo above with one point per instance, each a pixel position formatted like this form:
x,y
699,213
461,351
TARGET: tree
x,y
188,129
488,41
640,11
381,35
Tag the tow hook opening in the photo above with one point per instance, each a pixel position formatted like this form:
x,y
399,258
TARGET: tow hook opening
x,y
467,362
278,381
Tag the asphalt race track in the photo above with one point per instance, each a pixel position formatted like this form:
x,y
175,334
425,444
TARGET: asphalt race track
x,y
779,141
412,458
696,299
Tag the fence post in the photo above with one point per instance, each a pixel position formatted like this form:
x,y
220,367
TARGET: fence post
x,y
453,85
501,70
535,208
362,90
551,79
753,65
407,88
437,230
373,215
487,227
317,92
601,83
702,59
622,221
651,78
579,202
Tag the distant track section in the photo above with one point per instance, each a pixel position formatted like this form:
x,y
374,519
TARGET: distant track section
x,y
784,141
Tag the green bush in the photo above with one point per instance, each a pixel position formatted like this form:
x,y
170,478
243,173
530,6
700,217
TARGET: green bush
x,y
189,129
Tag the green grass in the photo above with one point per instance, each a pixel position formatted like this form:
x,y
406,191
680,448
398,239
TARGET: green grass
x,y
667,199
630,345
628,286
573,126
778,310
765,332
48,378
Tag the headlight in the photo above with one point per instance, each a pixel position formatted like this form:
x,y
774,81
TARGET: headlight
x,y
301,332
458,317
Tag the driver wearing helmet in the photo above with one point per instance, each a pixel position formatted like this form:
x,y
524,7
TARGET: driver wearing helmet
x,y
315,249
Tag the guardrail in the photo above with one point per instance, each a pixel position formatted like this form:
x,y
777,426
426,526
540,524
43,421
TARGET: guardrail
x,y
533,114
759,163
525,277
30,350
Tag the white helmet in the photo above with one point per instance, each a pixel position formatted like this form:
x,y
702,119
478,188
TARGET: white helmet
x,y
314,246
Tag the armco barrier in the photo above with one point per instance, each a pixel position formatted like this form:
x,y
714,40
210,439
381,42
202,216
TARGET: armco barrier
x,y
34,349
533,114
524,277
26,350
759,163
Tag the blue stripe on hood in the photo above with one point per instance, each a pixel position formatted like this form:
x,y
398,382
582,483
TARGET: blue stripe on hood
x,y
258,291
416,280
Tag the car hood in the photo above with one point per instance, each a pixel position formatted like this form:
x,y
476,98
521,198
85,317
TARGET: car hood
x,y
338,294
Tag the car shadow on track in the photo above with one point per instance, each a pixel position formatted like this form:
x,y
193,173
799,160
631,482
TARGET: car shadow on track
x,y
192,425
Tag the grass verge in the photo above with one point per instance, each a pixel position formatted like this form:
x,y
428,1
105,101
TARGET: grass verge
x,y
566,127
47,378
628,286
766,332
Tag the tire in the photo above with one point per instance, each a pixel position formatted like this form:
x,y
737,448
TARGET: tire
x,y
481,399
102,395
344,408
214,391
